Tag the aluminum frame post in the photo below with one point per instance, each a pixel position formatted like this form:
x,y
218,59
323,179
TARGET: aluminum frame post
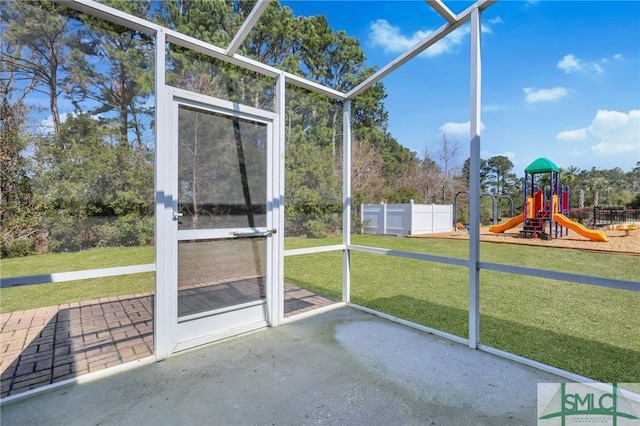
x,y
474,183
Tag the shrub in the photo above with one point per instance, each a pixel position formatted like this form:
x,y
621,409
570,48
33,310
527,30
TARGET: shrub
x,y
583,216
129,230
17,248
316,229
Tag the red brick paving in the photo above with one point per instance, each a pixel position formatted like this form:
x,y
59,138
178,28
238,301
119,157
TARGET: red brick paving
x,y
47,345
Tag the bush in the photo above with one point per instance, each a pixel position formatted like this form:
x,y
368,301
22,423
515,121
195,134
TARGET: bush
x,y
74,234
584,216
128,231
64,233
17,248
316,229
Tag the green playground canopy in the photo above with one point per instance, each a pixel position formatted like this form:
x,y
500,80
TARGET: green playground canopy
x,y
541,165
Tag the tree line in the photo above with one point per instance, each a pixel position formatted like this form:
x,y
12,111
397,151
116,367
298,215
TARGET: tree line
x,y
77,131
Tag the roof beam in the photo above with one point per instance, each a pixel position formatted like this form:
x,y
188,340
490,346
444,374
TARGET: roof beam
x,y
247,26
116,16
414,51
110,14
443,10
208,49
419,47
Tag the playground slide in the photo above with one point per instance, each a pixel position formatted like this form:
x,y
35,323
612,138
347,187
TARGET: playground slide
x,y
511,223
575,226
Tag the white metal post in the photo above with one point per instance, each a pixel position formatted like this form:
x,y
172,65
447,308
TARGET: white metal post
x,y
163,321
346,201
474,183
384,218
277,301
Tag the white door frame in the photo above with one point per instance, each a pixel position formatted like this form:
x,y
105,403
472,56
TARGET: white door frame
x,y
168,331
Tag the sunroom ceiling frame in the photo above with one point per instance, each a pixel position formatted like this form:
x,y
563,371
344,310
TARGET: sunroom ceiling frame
x,y
228,55
443,10
247,26
420,46
147,27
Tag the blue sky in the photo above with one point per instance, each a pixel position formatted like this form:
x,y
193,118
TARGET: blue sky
x,y
561,79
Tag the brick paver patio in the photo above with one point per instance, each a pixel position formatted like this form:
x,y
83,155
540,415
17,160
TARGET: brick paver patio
x,y
47,345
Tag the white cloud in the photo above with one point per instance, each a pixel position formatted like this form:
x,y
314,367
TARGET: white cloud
x,y
510,155
618,57
489,154
610,133
616,132
385,35
458,129
572,135
46,124
389,38
486,26
492,108
533,95
570,63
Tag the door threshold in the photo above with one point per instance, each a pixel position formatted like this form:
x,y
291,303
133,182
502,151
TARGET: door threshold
x,y
214,337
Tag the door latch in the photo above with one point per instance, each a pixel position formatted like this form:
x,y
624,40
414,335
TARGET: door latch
x,y
253,234
177,216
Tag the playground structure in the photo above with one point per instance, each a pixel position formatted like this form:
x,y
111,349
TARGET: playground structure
x,y
626,227
546,210
495,209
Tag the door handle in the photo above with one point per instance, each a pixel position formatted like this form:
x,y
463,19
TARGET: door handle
x,y
267,233
176,216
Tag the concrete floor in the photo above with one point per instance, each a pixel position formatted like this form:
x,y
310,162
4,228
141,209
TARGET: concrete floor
x,y
342,367
52,344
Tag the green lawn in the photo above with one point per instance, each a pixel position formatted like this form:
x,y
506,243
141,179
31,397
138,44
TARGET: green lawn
x,y
76,261
588,330
585,329
36,296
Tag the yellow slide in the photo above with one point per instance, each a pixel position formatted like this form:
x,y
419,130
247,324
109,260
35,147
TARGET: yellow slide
x,y
575,226
511,223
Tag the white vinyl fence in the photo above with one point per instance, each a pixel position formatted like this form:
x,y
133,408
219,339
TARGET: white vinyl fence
x,y
406,219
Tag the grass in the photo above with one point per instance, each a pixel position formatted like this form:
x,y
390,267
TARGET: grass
x,y
592,331
588,330
76,261
36,296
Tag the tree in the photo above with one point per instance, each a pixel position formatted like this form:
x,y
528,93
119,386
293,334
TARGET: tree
x,y
88,195
312,191
635,203
466,170
449,167
596,184
426,177
21,232
35,47
498,173
367,178
110,71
